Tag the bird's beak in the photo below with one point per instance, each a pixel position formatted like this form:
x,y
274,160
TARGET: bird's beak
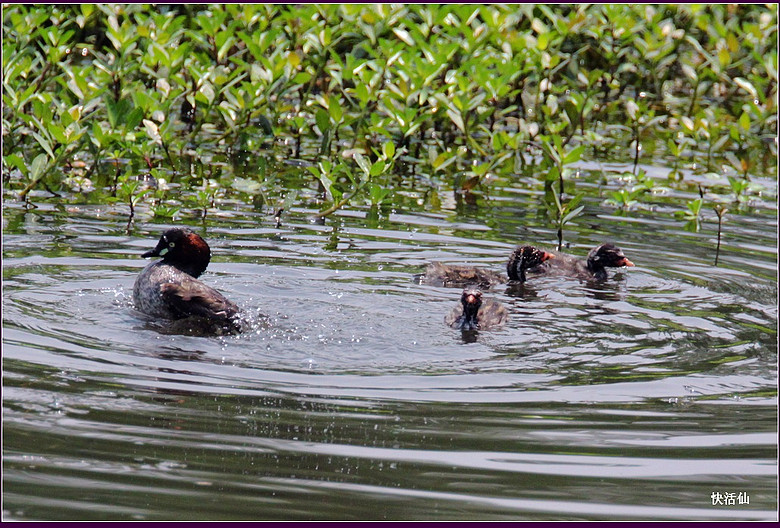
x,y
159,251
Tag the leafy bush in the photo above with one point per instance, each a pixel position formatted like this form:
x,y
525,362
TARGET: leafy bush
x,y
123,96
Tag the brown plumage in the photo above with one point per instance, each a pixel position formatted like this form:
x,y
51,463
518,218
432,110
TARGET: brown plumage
x,y
593,267
170,289
521,259
473,313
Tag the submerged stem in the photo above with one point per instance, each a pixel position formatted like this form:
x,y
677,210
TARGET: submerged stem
x,y
720,211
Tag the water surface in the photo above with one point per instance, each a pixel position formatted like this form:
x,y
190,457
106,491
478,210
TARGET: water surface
x,y
635,398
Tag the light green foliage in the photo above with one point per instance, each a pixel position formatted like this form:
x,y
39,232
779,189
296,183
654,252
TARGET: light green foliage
x,y
465,93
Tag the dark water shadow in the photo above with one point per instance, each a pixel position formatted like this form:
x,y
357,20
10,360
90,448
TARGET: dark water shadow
x,y
521,290
469,336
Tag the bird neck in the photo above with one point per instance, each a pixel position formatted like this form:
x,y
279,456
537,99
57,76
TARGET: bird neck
x,y
594,266
516,269
469,319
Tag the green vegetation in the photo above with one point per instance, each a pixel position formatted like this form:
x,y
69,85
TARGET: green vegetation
x,y
173,107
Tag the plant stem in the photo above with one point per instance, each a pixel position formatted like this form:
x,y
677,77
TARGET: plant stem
x,y
336,206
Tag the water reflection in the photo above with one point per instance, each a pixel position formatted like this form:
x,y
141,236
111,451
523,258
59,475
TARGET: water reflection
x,y
469,336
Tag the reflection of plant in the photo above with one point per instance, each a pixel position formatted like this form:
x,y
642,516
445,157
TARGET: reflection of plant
x,y
738,187
165,210
635,186
693,214
624,198
720,210
694,209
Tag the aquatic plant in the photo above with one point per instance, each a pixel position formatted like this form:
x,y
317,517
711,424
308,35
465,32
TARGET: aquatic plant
x,y
467,93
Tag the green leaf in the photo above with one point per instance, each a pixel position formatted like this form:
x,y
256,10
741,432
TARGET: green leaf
x,y
289,199
45,144
557,199
551,150
695,205
325,143
403,35
265,125
116,111
14,160
302,78
574,155
746,85
38,166
322,120
334,109
57,132
632,108
575,201
553,174
690,72
744,121
572,214
98,134
361,91
134,118
674,148
724,57
246,185
457,119
362,163
377,193
146,102
152,131
389,149
543,41
481,169
377,168
207,91
442,160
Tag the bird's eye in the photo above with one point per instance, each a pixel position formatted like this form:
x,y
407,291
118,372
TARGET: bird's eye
x,y
171,244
